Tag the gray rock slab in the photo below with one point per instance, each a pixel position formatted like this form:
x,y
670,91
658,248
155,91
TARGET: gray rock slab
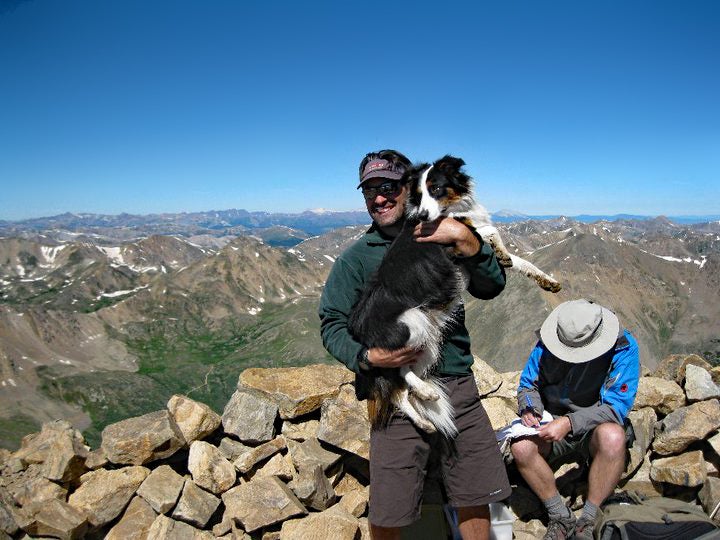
x,y
344,423
135,522
661,394
261,502
699,385
196,506
248,460
162,488
687,470
309,453
250,416
209,468
686,425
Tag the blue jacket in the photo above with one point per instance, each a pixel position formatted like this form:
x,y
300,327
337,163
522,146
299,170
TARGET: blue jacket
x,y
589,394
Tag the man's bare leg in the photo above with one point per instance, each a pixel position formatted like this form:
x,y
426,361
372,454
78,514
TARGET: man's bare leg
x,y
529,457
474,522
384,533
607,448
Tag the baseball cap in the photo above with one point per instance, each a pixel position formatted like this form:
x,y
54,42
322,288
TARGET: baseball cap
x,y
381,168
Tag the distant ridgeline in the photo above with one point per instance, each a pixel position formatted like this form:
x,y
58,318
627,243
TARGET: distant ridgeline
x,y
95,328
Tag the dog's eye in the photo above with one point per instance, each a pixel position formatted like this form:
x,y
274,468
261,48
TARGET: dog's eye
x,y
436,191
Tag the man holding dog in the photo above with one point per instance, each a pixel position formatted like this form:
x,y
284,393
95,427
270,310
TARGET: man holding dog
x,y
585,371
473,474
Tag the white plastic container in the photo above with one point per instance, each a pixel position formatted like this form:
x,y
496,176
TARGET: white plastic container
x,y
501,522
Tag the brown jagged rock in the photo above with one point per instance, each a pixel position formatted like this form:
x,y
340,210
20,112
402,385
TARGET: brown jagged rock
x,y
309,453
8,524
164,528
500,410
261,502
686,425
344,423
37,447
104,494
313,488
57,519
209,468
663,395
301,430
335,523
297,390
356,501
250,416
687,470
486,378
279,465
248,460
643,423
195,420
710,498
161,488
135,521
142,439
641,481
196,506
673,367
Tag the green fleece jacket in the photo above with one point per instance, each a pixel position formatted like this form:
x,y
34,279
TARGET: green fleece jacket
x,y
354,268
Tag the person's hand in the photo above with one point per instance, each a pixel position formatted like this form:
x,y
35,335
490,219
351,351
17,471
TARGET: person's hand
x,y
555,430
449,232
530,419
385,358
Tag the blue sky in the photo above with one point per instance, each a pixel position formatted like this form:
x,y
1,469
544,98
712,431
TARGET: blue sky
x,y
163,106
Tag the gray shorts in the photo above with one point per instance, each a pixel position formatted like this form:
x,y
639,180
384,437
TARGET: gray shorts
x,y
473,475
577,449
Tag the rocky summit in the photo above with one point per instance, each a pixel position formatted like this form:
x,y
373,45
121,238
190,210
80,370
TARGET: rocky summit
x,y
287,459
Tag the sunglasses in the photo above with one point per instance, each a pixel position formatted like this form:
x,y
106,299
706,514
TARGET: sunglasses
x,y
389,190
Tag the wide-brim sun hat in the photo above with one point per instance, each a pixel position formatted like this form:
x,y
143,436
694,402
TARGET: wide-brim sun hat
x,y
579,331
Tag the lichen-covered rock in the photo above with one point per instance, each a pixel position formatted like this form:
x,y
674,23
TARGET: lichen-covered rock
x,y
195,420
135,522
300,431
661,394
686,470
142,439
209,468
261,502
344,423
297,390
104,494
686,425
161,488
250,416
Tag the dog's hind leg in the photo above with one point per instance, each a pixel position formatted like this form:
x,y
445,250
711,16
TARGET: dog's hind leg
x,y
417,386
400,398
491,235
533,272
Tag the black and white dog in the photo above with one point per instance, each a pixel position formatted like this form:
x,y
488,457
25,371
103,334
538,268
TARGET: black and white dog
x,y
413,298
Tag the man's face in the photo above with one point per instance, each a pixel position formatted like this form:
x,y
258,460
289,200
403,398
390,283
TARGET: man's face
x,y
385,200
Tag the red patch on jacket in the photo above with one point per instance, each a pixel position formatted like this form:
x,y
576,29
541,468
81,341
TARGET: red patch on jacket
x,y
624,388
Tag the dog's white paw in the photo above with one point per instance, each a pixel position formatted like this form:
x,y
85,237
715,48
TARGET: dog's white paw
x,y
425,425
425,392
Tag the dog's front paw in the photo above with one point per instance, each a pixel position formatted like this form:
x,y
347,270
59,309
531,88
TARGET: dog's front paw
x,y
426,393
550,285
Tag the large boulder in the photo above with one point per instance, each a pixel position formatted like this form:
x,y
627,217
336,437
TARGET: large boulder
x,y
486,378
37,447
104,494
661,394
344,423
142,439
261,502
195,420
686,425
296,390
250,416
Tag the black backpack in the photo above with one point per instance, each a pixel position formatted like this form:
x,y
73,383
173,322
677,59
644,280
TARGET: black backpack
x,y
630,516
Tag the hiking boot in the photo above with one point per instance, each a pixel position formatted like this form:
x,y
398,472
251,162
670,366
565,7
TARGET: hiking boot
x,y
560,529
584,529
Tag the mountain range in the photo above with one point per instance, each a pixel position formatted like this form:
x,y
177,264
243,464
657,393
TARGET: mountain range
x,y
105,320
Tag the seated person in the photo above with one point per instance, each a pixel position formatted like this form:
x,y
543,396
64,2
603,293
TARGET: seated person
x,y
585,371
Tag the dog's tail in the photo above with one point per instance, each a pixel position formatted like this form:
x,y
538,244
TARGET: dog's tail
x,y
533,272
379,404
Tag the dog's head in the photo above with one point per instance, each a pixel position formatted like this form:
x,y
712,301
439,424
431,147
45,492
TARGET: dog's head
x,y
437,189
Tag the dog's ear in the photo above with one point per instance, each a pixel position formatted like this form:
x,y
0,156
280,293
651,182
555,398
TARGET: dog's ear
x,y
449,164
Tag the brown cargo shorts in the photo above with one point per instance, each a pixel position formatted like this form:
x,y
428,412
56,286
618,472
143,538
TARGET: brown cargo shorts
x,y
473,474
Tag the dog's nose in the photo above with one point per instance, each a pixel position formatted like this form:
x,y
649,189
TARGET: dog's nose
x,y
423,215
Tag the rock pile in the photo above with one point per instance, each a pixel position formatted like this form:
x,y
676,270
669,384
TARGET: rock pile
x,y
288,459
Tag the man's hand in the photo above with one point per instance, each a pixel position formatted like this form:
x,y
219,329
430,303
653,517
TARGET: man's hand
x,y
530,419
449,232
555,430
385,358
